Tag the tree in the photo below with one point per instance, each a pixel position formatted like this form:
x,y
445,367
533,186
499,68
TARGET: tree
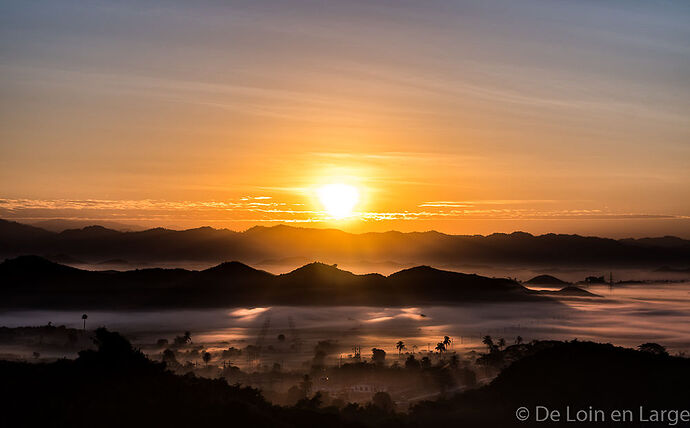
x,y
306,385
653,348
184,339
440,347
113,349
400,345
425,363
378,356
411,363
489,342
383,401
206,357
518,340
311,403
501,342
84,317
447,341
294,394
169,357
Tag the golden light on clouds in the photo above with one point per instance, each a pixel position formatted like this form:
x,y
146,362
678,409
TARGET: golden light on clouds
x,y
435,118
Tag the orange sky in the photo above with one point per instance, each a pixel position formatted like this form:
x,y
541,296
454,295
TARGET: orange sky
x,y
463,117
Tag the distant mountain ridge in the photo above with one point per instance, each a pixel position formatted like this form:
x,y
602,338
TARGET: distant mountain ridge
x,y
34,282
59,225
95,243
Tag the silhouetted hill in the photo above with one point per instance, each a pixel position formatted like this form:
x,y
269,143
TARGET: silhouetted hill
x,y
64,259
574,374
545,280
664,241
59,225
116,385
669,269
33,282
259,243
440,284
13,233
32,267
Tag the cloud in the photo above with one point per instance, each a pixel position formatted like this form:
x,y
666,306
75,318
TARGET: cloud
x,y
247,314
266,209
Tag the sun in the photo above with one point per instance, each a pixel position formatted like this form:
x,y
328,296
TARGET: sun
x,y
338,199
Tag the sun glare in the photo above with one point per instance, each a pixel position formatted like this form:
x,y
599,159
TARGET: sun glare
x,y
338,199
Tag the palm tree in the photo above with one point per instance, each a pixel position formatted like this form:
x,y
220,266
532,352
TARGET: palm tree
x,y
447,341
400,345
489,342
501,342
518,340
84,317
440,347
206,357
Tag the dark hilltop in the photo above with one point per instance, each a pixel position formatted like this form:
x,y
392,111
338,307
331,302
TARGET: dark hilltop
x,y
33,282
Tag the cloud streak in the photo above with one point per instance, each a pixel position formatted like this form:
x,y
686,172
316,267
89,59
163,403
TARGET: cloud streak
x,y
268,209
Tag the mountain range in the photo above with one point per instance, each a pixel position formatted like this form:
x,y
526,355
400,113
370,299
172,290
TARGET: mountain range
x,y
34,282
94,244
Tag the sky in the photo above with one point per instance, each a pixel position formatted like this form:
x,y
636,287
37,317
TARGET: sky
x,y
463,117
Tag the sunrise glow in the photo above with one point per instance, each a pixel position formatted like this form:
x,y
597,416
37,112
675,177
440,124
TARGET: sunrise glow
x,y
338,199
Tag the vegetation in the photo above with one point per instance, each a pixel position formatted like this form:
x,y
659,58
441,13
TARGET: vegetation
x,y
115,384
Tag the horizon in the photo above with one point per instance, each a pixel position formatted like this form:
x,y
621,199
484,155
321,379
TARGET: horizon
x,y
123,227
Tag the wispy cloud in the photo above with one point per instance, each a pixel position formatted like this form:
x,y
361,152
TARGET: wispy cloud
x,y
268,209
248,314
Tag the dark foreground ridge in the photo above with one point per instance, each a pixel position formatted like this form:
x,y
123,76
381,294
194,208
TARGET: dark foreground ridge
x,y
117,386
34,282
94,244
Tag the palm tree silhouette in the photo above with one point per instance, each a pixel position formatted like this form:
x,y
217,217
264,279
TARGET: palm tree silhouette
x,y
84,317
447,341
489,342
440,347
518,340
400,345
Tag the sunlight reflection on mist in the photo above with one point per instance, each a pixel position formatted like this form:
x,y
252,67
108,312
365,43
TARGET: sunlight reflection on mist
x,y
248,314
626,316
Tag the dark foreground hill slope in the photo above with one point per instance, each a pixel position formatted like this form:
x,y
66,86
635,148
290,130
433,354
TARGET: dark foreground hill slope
x,y
571,376
117,386
34,282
